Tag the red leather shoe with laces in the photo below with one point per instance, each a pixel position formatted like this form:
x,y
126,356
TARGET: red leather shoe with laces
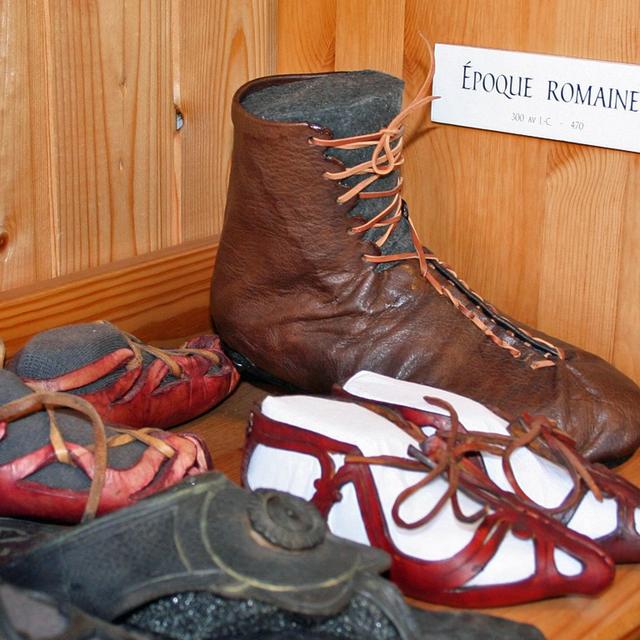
x,y
59,462
454,536
529,456
128,382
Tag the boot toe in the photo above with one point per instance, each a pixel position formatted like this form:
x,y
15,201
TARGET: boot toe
x,y
601,408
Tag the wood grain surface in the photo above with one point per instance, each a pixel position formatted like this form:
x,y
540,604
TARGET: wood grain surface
x,y
165,293
222,44
27,238
613,615
306,36
92,167
367,36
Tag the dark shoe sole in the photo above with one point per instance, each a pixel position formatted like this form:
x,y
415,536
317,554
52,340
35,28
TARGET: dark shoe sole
x,y
249,371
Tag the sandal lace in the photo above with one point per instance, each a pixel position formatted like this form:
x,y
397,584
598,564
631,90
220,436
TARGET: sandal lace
x,y
386,157
40,400
139,348
452,453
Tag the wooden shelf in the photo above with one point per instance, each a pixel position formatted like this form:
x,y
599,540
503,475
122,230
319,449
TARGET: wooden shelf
x,y
614,615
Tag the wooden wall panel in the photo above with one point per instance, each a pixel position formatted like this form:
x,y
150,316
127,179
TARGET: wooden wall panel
x,y
222,45
368,35
26,230
109,84
626,345
306,36
86,146
92,169
580,258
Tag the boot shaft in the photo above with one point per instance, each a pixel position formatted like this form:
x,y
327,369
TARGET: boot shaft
x,y
278,194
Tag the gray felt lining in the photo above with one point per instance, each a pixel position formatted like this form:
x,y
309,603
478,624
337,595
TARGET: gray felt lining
x,y
58,351
347,103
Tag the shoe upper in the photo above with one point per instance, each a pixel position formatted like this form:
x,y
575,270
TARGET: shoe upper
x,y
128,382
51,459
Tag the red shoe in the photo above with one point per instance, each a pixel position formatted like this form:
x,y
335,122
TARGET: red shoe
x,y
461,541
529,457
128,382
59,462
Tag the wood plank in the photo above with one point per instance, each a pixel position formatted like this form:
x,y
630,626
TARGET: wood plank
x,y
27,253
626,345
221,46
158,296
586,196
580,255
111,97
306,36
613,615
369,35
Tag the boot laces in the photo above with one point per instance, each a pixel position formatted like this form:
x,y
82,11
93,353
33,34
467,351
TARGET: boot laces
x,y
450,453
167,356
386,157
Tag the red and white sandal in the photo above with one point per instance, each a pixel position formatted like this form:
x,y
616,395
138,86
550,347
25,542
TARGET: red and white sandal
x,y
454,536
529,456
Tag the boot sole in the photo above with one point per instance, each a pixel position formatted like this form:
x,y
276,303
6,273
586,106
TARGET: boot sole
x,y
252,373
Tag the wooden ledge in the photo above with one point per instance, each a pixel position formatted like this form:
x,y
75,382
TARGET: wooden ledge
x,y
156,296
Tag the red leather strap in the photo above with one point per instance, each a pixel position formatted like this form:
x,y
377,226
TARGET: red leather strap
x,y
443,581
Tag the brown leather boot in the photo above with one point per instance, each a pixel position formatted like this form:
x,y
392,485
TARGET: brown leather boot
x,y
320,272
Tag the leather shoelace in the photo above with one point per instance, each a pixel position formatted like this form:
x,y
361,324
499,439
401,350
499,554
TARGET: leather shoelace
x,y
40,400
139,348
386,157
451,454
541,435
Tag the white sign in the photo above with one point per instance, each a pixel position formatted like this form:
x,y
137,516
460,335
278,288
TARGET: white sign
x,y
572,99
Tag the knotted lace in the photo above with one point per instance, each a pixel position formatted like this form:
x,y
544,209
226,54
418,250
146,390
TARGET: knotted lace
x,y
451,454
139,348
40,400
386,157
